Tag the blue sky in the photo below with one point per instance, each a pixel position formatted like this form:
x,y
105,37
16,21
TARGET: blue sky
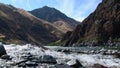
x,y
77,9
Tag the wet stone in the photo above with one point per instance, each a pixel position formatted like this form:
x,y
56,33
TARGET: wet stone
x,y
31,64
66,51
116,55
28,56
7,57
47,59
2,50
21,65
98,66
74,63
59,50
61,66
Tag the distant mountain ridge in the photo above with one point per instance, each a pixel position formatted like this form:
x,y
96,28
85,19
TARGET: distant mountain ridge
x,y
56,17
19,26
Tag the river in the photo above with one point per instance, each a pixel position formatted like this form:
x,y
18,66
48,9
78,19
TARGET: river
x,y
87,60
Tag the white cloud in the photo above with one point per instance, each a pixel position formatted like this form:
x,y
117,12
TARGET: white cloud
x,y
13,1
90,5
84,9
28,4
67,6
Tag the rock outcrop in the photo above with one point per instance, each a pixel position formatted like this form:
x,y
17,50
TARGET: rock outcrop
x,y
2,50
74,63
100,27
98,66
20,27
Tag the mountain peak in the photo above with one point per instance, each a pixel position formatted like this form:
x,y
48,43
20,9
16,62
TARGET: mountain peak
x,y
51,14
55,17
45,6
48,13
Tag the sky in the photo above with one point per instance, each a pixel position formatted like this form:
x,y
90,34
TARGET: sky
x,y
77,9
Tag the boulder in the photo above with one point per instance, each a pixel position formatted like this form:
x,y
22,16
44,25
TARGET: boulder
x,y
47,59
116,55
31,64
22,65
113,67
2,50
66,51
7,57
74,63
98,66
21,62
103,53
28,64
28,56
59,50
61,66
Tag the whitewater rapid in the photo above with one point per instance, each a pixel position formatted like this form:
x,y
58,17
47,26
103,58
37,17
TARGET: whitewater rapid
x,y
16,51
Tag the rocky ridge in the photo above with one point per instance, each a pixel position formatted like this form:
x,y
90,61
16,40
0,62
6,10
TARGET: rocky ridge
x,y
100,28
19,26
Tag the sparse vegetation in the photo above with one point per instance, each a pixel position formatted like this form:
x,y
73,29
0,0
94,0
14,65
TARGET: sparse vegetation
x,y
1,37
57,43
80,40
114,40
54,44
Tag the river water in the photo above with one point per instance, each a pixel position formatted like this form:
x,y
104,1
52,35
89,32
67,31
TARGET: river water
x,y
87,60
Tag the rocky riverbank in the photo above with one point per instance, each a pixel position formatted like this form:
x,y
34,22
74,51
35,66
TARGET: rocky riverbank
x,y
32,56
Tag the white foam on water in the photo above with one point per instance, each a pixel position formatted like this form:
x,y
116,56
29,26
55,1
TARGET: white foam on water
x,y
16,51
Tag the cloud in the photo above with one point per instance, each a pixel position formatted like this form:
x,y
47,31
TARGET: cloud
x,y
13,1
28,4
78,10
67,6
85,8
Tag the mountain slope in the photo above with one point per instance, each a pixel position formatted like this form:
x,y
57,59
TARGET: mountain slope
x,y
19,26
55,17
101,26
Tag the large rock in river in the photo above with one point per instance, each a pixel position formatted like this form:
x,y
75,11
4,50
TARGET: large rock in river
x,y
47,59
61,66
98,66
74,63
2,50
